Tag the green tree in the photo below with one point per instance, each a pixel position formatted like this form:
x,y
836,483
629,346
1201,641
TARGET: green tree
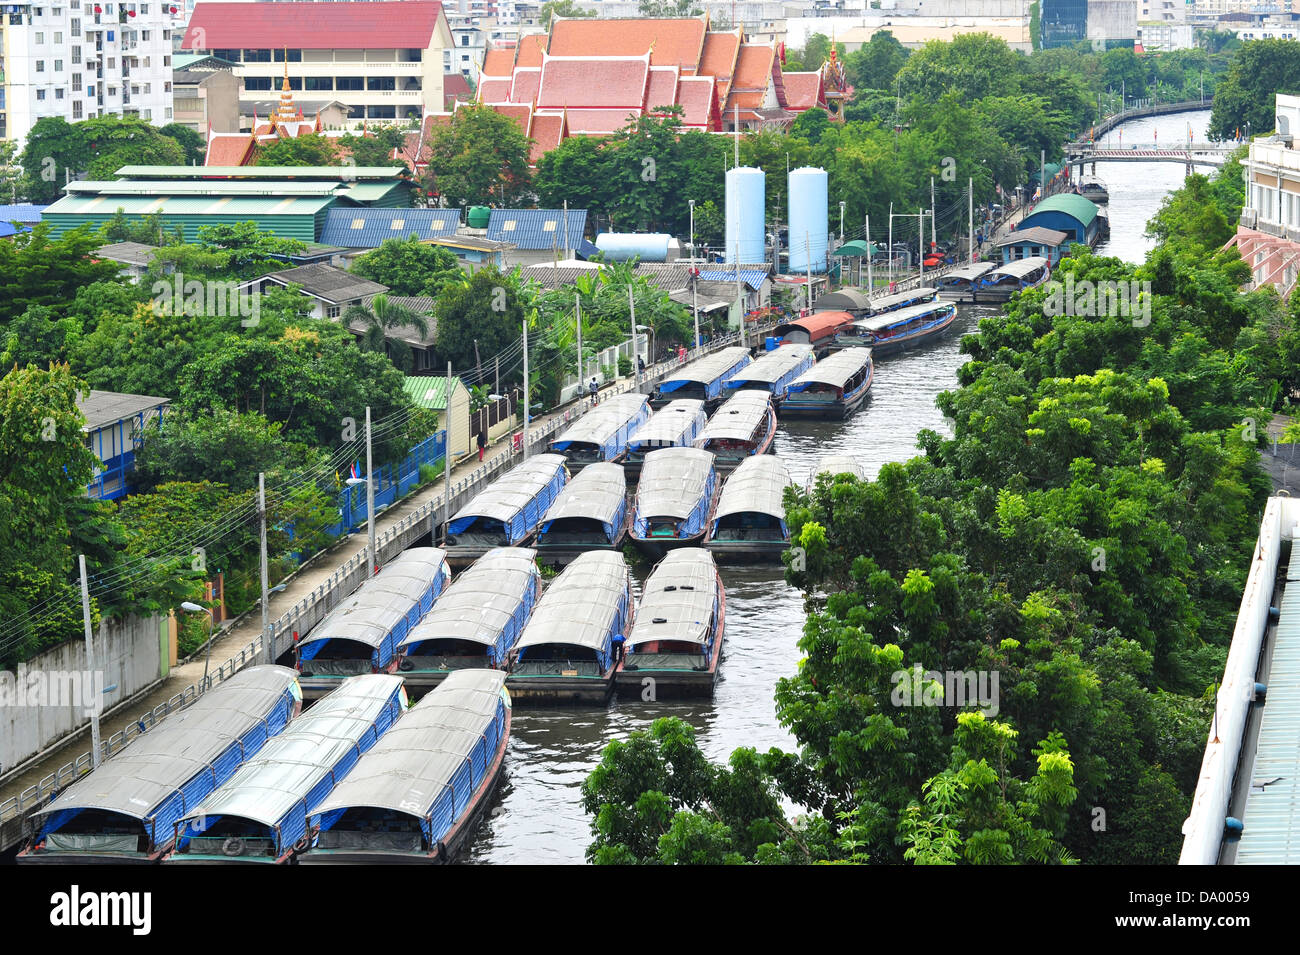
x,y
479,158
1243,101
874,65
38,270
485,307
380,316
54,152
409,267
562,8
190,140
376,147
667,9
313,149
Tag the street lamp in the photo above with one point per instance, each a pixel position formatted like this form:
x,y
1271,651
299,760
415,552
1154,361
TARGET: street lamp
x,y
368,481
207,656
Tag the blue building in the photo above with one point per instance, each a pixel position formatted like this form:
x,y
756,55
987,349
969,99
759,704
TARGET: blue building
x,y
538,235
114,428
1074,215
1036,240
355,228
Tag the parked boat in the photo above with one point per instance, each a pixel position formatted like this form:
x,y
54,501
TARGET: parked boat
x,y
703,378
749,522
675,425
261,813
894,331
960,285
851,300
507,512
126,810
673,500
897,300
565,654
1092,188
475,624
676,643
423,789
602,433
591,513
1002,283
774,371
835,387
817,330
744,426
836,464
362,633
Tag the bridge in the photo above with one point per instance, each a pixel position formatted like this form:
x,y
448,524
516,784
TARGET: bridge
x,y
1189,154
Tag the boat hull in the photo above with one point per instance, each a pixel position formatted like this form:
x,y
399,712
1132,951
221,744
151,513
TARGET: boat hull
x,y
725,463
420,682
561,690
559,555
903,342
656,547
746,552
29,857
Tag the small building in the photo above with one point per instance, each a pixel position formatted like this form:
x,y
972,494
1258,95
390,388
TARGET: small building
x,y
134,257
1268,231
205,93
475,252
1034,241
432,392
538,235
422,355
1073,215
331,290
114,428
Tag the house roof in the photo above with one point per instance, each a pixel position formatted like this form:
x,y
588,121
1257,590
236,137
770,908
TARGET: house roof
x,y
524,85
719,57
536,229
549,276
22,212
753,75
128,253
530,49
368,228
1035,233
599,122
229,149
326,282
102,408
662,90
494,89
803,90
250,206
521,113
1085,210
455,87
498,63
335,173
472,242
696,95
373,25
430,391
671,42
547,131
594,82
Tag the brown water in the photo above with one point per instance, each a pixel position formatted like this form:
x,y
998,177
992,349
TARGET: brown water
x,y
539,817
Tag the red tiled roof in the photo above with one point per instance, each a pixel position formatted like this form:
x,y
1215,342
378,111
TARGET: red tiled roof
x,y
599,122
803,90
753,75
548,131
663,87
494,89
531,48
719,58
594,82
521,113
376,24
414,150
524,87
229,149
455,86
675,42
699,101
498,62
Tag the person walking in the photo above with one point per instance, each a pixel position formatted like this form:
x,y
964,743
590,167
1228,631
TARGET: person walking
x,y
482,445
594,390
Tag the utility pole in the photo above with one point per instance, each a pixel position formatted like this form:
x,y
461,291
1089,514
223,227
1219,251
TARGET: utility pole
x,y
577,307
842,220
933,241
266,606
566,230
891,243
695,305
370,489
525,437
446,465
90,662
871,279
1042,174
807,263
691,203
478,364
631,308
970,213
920,240
496,366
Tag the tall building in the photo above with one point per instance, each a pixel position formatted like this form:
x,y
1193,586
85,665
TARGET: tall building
x,y
80,59
1063,22
383,58
1268,233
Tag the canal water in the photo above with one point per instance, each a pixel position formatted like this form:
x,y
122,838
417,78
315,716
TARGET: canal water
x,y
538,817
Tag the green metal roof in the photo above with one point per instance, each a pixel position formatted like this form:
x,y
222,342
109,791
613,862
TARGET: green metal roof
x,y
369,191
857,247
218,187
429,392
340,173
1051,168
251,206
1085,210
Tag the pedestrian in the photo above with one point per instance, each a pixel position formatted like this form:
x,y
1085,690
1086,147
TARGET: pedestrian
x,y
593,389
482,444
640,364
618,648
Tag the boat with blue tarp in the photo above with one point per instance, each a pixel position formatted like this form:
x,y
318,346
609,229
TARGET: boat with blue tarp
x,y
675,425
748,524
602,434
894,331
507,512
774,371
590,513
744,426
674,499
703,378
835,387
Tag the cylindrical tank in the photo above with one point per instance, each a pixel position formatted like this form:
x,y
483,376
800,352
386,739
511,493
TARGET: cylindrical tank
x,y
745,215
624,246
477,217
808,219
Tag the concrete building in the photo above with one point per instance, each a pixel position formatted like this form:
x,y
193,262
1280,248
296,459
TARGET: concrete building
x,y
1268,233
205,93
114,428
384,59
910,30
1112,23
85,59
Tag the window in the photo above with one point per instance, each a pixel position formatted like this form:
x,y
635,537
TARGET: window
x,y
508,225
111,61
40,66
76,82
40,94
58,38
381,83
358,223
148,114
76,54
318,82
76,26
464,39
333,311
40,37
167,87
167,61
167,113
144,35
58,66
350,83
548,225
76,109
398,224
58,94
257,82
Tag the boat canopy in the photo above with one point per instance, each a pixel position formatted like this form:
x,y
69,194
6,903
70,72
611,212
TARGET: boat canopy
x,y
518,498
738,419
606,427
967,273
433,761
680,600
488,604
758,487
674,425
598,493
280,786
385,607
710,371
1017,269
776,369
887,302
176,764
676,483
902,316
840,464
811,329
834,370
845,300
585,606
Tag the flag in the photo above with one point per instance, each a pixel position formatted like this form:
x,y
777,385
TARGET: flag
x,y
355,472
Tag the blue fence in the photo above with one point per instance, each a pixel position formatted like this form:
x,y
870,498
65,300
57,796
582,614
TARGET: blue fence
x,y
391,482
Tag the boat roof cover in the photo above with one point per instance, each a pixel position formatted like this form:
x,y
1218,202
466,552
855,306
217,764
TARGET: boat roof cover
x,y
675,423
376,607
817,325
507,499
483,600
678,599
607,425
599,493
1020,267
840,464
835,369
911,295
158,763
758,485
972,271
289,767
901,316
738,418
775,365
582,605
415,760
845,300
672,482
711,370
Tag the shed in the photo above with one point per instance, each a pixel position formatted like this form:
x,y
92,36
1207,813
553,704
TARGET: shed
x,y
1073,215
539,235
114,428
431,391
1034,241
332,290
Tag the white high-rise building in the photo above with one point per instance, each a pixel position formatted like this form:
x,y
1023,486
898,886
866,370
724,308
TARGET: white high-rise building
x,y
85,58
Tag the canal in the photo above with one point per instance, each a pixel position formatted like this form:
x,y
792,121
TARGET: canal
x,y
538,817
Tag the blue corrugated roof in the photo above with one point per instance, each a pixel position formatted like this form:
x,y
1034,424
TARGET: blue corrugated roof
x,y
537,229
7,229
586,249
754,278
22,212
368,228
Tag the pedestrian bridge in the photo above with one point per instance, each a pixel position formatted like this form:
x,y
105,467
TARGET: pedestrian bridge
x,y
1189,154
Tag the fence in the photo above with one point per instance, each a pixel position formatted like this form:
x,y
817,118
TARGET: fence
x,y
390,484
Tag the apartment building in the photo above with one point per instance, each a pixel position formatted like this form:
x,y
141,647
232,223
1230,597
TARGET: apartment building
x,y
383,59
80,59
1268,233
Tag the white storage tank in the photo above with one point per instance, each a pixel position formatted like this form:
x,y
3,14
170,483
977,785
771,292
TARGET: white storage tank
x,y
808,219
625,246
746,208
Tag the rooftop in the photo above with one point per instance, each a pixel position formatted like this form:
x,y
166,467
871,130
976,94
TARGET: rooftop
x,y
102,408
128,253
374,25
326,282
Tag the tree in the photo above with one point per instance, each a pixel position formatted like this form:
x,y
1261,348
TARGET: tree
x,y
409,267
55,151
562,8
479,158
874,65
191,141
667,9
485,307
381,315
312,149
376,147
38,270
115,142
250,251
972,66
1243,101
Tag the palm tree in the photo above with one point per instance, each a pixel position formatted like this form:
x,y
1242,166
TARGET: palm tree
x,y
381,314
